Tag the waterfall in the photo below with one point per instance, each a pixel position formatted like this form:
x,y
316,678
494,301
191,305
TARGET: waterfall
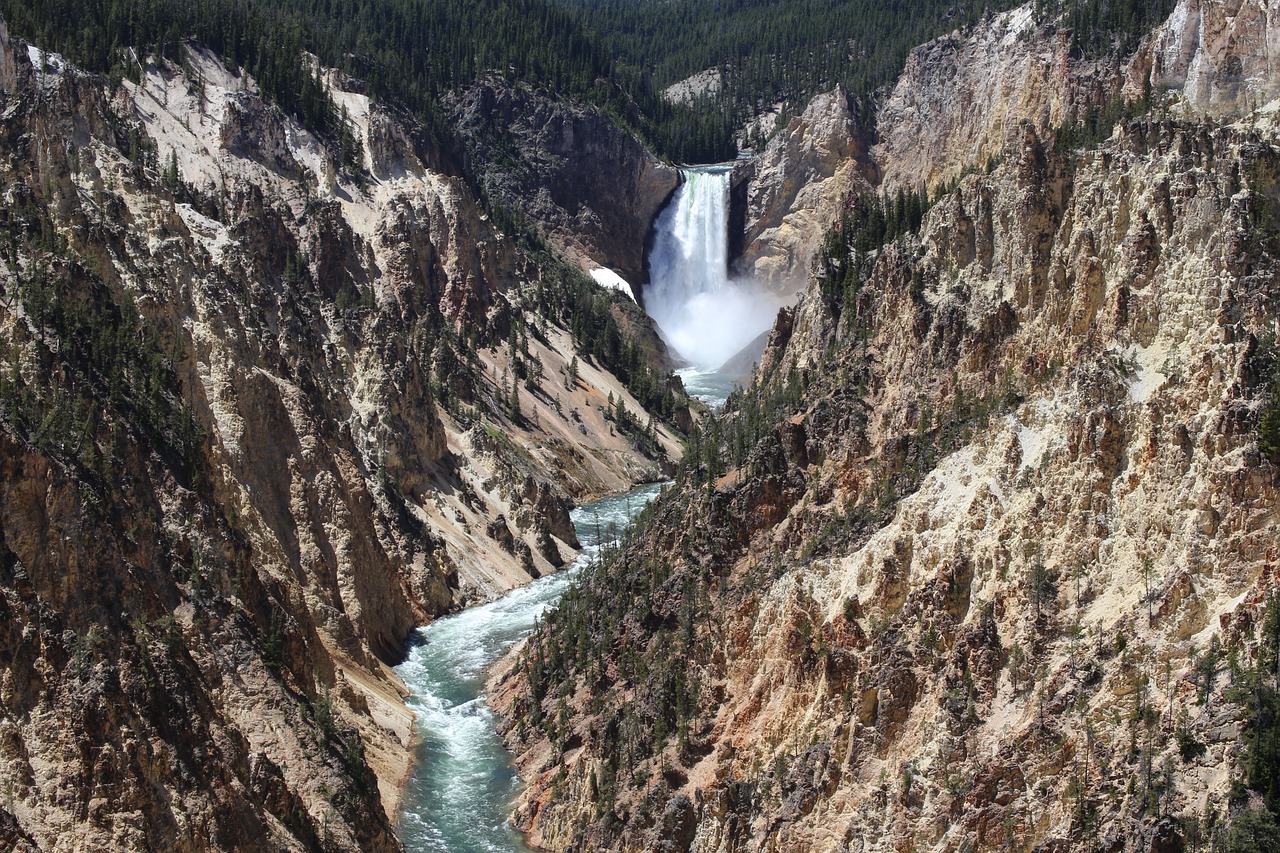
x,y
705,317
690,254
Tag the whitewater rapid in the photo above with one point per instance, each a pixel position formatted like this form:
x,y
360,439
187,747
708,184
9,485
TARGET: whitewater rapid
x,y
463,783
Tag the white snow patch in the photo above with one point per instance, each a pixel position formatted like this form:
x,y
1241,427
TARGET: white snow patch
x,y
42,60
610,279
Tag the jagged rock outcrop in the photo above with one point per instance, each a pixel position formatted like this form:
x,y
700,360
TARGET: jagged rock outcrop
x,y
795,186
695,87
976,549
963,97
587,185
261,399
1221,56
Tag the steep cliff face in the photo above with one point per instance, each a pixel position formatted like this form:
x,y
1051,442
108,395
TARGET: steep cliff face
x,y
962,98
588,186
965,568
795,187
269,402
1220,56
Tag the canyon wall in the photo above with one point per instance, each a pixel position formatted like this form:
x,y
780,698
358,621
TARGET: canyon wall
x,y
962,99
586,184
981,559
797,185
269,402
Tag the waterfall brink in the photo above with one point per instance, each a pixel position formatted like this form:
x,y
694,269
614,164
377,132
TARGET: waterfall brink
x,y
705,317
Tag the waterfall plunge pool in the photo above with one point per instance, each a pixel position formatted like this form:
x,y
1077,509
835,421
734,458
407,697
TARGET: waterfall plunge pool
x,y
706,317
463,784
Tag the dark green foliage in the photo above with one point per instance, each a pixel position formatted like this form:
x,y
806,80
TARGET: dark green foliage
x,y
1097,123
749,417
1250,831
346,743
1040,586
411,52
1257,688
1269,426
1188,747
91,377
592,314
273,651
1266,367
659,667
1107,27
99,372
405,51
768,50
267,39
869,222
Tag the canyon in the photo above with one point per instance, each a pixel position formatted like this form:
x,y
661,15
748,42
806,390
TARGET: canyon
x,y
268,406
979,558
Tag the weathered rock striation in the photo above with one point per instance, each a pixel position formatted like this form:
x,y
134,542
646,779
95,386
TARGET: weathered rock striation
x,y
588,186
981,560
962,99
795,187
1221,57
267,405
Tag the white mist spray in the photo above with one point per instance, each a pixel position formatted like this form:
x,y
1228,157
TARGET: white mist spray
x,y
705,317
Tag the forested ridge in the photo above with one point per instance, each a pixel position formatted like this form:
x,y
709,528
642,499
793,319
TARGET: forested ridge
x,y
405,51
614,54
769,51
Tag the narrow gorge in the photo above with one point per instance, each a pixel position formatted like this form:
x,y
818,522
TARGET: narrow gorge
x,y
984,556
342,343
464,782
461,791
270,401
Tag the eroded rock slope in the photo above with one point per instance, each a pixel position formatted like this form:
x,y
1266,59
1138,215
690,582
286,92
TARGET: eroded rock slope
x,y
269,402
983,559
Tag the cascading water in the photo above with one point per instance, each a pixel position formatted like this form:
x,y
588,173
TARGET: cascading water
x,y
704,316
463,782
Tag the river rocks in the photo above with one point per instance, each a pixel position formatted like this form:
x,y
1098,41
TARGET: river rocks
x,y
549,511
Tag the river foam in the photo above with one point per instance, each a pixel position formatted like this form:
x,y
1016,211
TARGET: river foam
x,y
463,783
